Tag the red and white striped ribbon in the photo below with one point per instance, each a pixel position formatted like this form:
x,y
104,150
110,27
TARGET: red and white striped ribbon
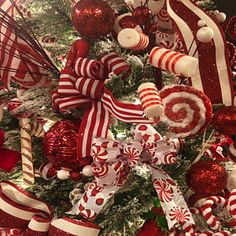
x,y
8,7
186,15
23,214
113,62
83,88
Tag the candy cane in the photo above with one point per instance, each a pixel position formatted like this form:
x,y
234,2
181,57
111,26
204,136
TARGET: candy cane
x,y
207,211
37,129
26,151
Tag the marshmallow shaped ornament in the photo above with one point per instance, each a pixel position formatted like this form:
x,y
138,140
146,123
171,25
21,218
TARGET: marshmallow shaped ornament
x,y
174,62
150,100
132,39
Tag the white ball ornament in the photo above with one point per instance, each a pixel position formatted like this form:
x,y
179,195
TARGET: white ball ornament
x,y
205,34
63,174
221,17
201,23
87,171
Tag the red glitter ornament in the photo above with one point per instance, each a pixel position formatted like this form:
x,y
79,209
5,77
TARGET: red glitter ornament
x,y
142,15
93,18
60,144
150,228
206,178
224,120
127,22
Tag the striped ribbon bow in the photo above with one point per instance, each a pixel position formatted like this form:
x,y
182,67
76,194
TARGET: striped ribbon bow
x,y
23,214
83,86
112,162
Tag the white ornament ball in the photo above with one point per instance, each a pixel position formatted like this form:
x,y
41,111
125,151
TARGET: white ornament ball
x,y
205,34
201,23
87,171
63,174
221,17
216,12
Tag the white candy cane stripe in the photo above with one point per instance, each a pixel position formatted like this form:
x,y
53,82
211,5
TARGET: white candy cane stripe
x,y
73,227
115,63
132,39
26,151
87,68
174,62
129,113
89,87
150,100
214,53
195,109
37,129
207,211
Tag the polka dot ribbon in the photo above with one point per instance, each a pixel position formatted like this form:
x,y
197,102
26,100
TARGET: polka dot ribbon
x,y
112,162
23,214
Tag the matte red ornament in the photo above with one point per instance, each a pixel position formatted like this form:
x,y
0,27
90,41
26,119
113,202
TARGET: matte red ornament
x,y
142,15
60,144
206,178
224,120
150,228
93,18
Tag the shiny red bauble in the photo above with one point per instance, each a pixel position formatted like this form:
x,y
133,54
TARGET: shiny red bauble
x,y
224,120
150,228
206,178
142,15
127,22
60,144
93,18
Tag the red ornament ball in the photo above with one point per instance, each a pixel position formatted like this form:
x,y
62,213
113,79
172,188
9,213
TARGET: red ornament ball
x,y
206,178
150,228
75,176
93,18
60,144
2,139
127,22
142,15
224,120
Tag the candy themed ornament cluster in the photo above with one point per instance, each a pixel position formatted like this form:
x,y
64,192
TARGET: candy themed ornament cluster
x,y
79,150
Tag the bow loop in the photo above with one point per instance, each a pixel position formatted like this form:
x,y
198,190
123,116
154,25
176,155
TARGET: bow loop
x,y
89,68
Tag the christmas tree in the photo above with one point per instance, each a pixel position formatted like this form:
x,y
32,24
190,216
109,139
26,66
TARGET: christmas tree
x,y
117,118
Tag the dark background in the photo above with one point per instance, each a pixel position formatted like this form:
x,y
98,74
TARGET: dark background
x,y
227,6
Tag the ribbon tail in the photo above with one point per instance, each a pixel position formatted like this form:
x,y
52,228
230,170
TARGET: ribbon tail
x,y
171,198
209,53
129,113
94,124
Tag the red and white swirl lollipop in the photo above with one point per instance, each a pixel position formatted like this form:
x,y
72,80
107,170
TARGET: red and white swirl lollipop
x,y
187,110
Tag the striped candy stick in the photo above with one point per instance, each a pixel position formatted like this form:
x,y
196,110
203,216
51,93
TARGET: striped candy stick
x,y
132,39
26,151
150,100
207,211
174,62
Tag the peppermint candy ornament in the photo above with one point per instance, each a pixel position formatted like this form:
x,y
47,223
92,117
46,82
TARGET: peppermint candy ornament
x,y
186,109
